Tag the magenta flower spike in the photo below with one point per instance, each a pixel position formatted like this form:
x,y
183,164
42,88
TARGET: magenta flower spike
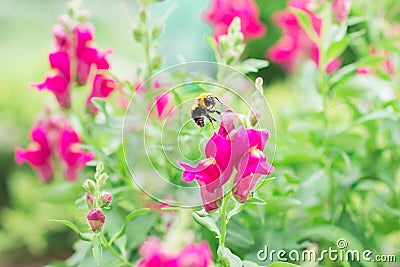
x,y
37,155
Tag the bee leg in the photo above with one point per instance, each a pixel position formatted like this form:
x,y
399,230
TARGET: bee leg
x,y
211,119
213,110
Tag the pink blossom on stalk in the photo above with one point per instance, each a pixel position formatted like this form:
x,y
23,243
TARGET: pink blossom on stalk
x,y
251,163
341,9
212,172
153,254
58,81
195,255
295,45
73,157
86,54
95,219
103,86
38,155
222,12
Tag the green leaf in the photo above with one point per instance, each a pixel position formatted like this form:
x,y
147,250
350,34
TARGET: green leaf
x,y
237,209
99,103
305,21
261,183
252,65
283,264
128,218
281,203
238,236
249,264
256,201
213,45
224,252
137,229
336,49
68,224
206,222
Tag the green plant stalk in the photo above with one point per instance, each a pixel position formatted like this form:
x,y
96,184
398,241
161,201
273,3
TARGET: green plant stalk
x,y
147,42
114,252
224,219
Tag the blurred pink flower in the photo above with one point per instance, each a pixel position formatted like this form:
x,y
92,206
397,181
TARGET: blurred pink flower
x,y
341,9
295,45
54,139
103,86
195,255
153,254
95,219
87,55
58,81
73,157
221,13
38,155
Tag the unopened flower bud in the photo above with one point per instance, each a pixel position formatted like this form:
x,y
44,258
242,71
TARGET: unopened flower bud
x,y
90,187
156,62
142,15
100,167
138,35
157,30
102,179
106,197
89,199
95,219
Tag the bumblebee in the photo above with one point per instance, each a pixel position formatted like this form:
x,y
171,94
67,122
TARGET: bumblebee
x,y
205,104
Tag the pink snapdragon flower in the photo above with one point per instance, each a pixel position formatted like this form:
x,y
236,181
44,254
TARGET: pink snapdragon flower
x,y
341,9
233,147
75,58
212,172
58,81
221,13
38,155
54,140
154,254
103,86
252,163
73,157
295,45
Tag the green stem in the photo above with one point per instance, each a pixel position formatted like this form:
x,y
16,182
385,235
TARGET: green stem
x,y
224,219
114,252
147,42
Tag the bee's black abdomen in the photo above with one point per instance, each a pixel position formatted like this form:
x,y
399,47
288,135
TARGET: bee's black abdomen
x,y
198,116
199,121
